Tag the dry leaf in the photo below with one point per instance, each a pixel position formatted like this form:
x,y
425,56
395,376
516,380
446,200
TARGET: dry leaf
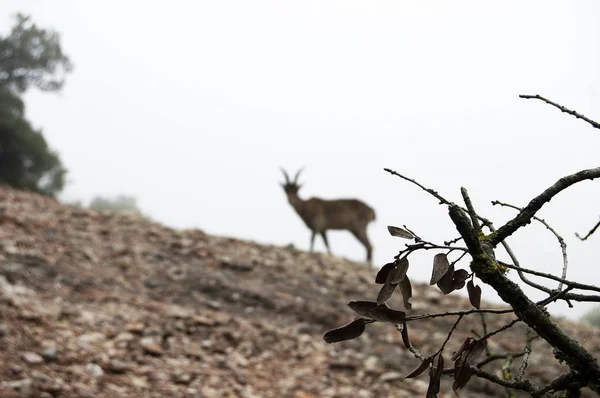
x,y
435,376
383,273
404,333
398,273
440,268
399,232
385,293
347,332
474,294
419,369
406,290
446,282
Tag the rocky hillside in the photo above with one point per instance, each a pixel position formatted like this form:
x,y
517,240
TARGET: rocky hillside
x,y
100,305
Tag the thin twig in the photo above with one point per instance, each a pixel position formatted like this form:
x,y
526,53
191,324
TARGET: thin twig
x,y
485,331
411,348
450,333
574,285
559,294
507,375
524,362
589,233
515,261
558,384
471,210
525,385
561,241
525,215
495,357
459,258
443,201
452,241
503,328
563,109
424,245
450,313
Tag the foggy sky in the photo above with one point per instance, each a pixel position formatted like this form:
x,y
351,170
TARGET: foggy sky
x,y
192,107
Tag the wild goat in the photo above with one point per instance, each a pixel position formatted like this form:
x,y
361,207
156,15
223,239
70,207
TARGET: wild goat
x,y
321,215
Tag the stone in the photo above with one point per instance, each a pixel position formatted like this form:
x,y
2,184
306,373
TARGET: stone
x,y
117,366
91,338
391,376
150,346
94,369
21,384
50,353
137,327
181,377
4,330
32,358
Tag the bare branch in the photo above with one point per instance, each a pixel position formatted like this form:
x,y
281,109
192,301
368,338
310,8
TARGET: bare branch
x,y
495,357
412,349
525,215
589,233
580,297
433,193
485,331
561,241
574,285
503,328
524,385
450,333
560,383
515,261
524,362
558,295
450,313
471,210
507,373
563,109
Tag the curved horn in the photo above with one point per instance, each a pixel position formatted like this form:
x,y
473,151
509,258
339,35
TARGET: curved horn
x,y
298,175
285,174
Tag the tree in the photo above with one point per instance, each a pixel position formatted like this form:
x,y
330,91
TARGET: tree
x,y
478,243
29,57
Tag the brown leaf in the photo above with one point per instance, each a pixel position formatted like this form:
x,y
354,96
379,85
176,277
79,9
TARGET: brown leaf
x,y
435,376
383,273
398,273
399,232
462,348
381,313
347,332
459,278
446,282
405,338
419,369
385,314
474,294
440,268
462,375
406,290
364,308
385,293
474,351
